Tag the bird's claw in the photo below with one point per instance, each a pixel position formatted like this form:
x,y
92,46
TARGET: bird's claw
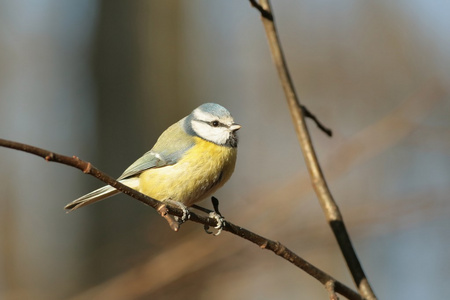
x,y
220,223
186,214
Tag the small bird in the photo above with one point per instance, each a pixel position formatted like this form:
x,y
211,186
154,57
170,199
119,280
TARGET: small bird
x,y
189,162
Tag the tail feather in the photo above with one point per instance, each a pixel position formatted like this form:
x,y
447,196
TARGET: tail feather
x,y
100,194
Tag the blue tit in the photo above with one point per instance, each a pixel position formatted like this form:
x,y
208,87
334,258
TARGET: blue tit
x,y
189,162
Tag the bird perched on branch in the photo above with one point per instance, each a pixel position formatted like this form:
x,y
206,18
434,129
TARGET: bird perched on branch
x,y
189,162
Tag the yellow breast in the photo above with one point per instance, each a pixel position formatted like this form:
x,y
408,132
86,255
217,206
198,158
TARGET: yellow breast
x,y
198,174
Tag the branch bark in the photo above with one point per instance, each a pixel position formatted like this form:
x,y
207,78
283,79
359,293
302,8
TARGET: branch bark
x,y
264,243
329,206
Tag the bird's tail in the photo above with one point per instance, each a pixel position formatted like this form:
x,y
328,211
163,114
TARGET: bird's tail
x,y
101,193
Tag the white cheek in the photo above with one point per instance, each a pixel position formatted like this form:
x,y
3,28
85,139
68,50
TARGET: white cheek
x,y
218,135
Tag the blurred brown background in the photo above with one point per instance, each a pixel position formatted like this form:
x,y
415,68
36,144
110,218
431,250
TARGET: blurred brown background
x,y
102,79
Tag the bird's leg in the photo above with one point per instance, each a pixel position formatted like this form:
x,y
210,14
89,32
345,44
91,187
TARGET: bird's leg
x,y
217,216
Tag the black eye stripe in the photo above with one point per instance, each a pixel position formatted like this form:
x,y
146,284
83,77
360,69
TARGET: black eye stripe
x,y
216,123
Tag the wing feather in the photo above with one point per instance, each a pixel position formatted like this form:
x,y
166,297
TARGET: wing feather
x,y
170,147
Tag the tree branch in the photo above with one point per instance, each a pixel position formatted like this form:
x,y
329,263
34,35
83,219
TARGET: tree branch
x,y
319,183
264,13
264,243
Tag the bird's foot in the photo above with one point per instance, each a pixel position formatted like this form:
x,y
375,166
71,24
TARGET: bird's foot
x,y
186,214
220,223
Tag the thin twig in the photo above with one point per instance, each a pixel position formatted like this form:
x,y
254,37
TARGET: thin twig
x,y
264,13
269,16
264,243
323,193
322,127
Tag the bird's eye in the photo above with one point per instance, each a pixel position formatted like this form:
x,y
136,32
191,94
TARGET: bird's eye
x,y
215,123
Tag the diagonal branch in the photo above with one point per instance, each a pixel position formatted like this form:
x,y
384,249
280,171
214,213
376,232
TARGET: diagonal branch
x,y
323,193
264,243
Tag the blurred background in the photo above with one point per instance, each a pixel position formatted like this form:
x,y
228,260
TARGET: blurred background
x,y
102,79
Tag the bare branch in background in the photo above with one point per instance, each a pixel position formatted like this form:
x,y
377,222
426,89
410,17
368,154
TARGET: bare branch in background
x,y
264,12
323,193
